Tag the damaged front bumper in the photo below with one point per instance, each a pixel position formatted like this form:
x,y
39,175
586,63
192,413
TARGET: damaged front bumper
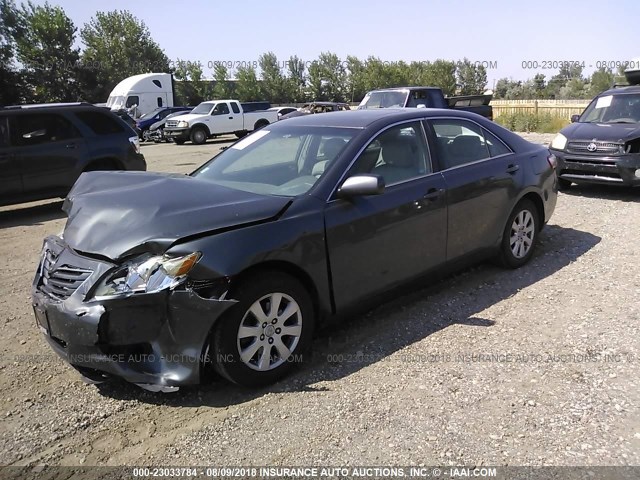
x,y
616,170
155,340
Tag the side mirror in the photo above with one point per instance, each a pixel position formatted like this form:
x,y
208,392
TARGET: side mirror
x,y
360,185
575,118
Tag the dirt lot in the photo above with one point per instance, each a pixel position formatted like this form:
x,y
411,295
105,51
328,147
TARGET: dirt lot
x,y
529,367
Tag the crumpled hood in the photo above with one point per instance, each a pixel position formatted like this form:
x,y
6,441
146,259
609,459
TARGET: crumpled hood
x,y
607,132
117,214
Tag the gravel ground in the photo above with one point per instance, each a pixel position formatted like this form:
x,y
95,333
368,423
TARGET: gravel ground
x,y
537,366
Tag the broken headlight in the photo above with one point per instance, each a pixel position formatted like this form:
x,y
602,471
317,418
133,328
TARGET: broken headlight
x,y
147,275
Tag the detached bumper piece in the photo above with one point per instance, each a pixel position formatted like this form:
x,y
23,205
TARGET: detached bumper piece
x,y
153,340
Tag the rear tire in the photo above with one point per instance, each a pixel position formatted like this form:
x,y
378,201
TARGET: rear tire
x,y
520,235
258,341
198,136
179,142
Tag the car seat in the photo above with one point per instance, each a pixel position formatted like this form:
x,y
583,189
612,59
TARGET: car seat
x,y
401,160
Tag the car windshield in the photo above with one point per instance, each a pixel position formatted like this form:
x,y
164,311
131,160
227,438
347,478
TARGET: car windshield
x,y
202,109
286,161
617,108
384,99
151,114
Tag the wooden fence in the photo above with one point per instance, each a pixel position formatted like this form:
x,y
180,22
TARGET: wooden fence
x,y
555,108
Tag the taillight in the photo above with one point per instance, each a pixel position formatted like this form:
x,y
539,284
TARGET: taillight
x,y
552,160
135,142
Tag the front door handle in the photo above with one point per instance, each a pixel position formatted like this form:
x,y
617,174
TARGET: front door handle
x,y
513,168
230,118
70,145
433,193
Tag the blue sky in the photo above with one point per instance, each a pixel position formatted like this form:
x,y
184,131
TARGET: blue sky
x,y
501,33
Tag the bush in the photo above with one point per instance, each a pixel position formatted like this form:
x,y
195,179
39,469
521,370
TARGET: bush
x,y
530,122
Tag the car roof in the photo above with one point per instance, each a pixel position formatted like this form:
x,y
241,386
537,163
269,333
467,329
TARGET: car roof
x,y
392,89
623,89
37,106
364,118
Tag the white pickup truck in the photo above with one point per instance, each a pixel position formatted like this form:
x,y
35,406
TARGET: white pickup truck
x,y
216,117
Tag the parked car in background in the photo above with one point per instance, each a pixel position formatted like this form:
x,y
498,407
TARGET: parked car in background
x,y
229,269
128,119
44,148
145,121
217,117
426,97
283,110
317,107
602,145
155,132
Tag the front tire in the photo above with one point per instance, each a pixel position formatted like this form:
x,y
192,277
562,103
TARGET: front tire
x,y
241,133
179,142
198,136
263,336
520,235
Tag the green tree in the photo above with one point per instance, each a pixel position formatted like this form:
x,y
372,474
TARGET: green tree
x,y
119,45
247,85
334,76
11,89
296,80
273,83
356,81
222,88
442,74
472,78
315,82
601,80
191,87
45,51
539,85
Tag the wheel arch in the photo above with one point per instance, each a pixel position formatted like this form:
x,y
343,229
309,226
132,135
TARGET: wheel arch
x,y
284,267
536,199
263,122
202,126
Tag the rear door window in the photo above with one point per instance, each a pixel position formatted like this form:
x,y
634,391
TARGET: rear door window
x,y
100,123
39,128
458,142
235,108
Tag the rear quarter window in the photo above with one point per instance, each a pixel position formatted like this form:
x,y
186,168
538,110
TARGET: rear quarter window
x,y
100,123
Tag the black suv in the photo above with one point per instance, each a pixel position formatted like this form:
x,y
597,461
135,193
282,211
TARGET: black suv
x,y
603,144
45,148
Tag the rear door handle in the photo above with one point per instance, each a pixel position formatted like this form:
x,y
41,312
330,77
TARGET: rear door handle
x,y
513,168
433,193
